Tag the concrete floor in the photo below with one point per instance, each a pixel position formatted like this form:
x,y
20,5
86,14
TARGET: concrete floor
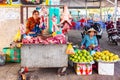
x,y
9,71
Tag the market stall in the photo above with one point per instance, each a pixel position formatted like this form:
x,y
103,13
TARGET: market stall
x,y
45,50
39,55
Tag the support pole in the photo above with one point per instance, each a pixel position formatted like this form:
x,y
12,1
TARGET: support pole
x,y
115,13
100,11
115,10
26,13
86,9
21,15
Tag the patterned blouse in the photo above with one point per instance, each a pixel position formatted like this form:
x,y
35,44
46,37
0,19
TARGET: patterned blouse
x,y
31,24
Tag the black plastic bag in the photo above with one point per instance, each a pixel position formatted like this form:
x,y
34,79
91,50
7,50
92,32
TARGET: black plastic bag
x,y
2,60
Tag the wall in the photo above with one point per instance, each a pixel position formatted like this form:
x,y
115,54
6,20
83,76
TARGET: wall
x,y
9,23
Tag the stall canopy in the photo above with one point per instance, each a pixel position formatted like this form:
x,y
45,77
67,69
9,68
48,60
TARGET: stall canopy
x,y
88,3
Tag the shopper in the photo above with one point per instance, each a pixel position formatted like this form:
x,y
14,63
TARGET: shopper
x,y
32,26
89,41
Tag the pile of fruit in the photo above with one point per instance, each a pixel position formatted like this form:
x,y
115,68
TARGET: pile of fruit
x,y
106,56
82,56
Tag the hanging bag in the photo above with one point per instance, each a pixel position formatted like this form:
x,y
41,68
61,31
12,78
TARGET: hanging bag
x,y
17,37
70,49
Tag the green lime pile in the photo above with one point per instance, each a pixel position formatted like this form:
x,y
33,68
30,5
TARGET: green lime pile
x,y
81,56
106,56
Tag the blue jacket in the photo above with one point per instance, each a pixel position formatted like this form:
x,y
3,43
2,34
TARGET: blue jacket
x,y
87,41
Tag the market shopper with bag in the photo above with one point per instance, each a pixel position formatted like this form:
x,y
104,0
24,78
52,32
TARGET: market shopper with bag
x,y
90,41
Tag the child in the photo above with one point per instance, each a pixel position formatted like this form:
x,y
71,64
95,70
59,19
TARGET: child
x,y
89,41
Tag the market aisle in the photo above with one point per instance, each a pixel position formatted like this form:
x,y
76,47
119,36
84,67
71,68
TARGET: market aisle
x,y
9,71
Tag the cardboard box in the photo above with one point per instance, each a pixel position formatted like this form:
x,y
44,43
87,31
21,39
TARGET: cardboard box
x,y
83,68
105,68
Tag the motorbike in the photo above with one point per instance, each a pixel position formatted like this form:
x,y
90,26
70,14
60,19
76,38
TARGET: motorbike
x,y
113,35
118,27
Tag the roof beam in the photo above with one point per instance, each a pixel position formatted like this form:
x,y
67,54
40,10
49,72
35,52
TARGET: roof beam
x,y
111,2
92,0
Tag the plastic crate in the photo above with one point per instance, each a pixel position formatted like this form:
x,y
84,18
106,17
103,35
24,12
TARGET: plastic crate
x,y
105,68
12,54
83,68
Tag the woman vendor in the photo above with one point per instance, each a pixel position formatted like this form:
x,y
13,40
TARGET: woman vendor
x,y
90,41
32,26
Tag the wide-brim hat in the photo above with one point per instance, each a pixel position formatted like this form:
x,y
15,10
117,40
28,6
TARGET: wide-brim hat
x,y
92,29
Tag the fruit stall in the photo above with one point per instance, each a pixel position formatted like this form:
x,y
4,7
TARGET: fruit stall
x,y
84,63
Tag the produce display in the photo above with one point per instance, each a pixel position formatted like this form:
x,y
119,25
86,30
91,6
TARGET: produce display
x,y
106,56
81,56
58,39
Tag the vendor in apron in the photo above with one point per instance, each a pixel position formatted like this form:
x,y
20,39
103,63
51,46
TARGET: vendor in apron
x,y
32,26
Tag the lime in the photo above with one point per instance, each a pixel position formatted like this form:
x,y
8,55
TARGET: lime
x,y
75,56
78,57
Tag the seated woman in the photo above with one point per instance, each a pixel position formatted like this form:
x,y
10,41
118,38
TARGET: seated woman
x,y
89,41
32,26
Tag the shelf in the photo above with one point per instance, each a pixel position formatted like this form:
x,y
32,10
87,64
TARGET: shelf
x,y
10,6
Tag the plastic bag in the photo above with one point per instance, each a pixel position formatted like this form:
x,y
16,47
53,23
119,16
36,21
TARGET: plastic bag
x,y
47,2
54,34
2,59
17,36
70,49
22,29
